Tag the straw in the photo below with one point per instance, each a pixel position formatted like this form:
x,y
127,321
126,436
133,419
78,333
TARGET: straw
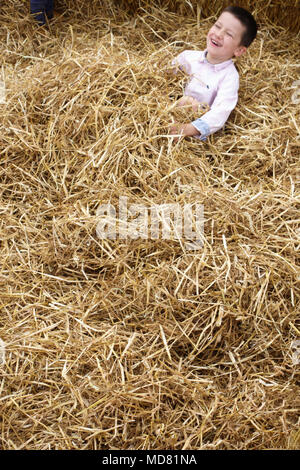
x,y
140,343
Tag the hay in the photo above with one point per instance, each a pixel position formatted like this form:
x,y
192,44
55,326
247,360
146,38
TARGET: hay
x,y
140,344
285,14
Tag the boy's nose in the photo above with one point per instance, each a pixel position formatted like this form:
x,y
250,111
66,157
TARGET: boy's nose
x,y
220,34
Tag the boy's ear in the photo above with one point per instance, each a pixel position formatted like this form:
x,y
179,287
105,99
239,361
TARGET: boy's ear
x,y
240,51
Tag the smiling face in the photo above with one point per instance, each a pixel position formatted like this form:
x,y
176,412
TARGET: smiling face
x,y
224,39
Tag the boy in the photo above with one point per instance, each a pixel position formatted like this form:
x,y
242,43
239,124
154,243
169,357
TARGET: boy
x,y
214,78
42,10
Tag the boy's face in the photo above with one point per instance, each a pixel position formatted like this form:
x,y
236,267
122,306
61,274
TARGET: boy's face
x,y
224,39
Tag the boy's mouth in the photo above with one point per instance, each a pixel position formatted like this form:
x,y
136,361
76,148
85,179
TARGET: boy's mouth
x,y
215,43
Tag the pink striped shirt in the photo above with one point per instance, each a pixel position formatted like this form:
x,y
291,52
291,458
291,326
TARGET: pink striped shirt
x,y
214,84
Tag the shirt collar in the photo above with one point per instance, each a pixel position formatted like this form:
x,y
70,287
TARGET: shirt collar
x,y
220,66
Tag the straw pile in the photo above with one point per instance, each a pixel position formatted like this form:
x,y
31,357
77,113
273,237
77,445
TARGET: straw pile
x,y
139,343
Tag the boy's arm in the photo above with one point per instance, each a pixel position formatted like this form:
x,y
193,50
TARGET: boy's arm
x,y
184,130
182,62
225,101
177,64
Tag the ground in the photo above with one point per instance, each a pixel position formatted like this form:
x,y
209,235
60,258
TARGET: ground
x,y
141,343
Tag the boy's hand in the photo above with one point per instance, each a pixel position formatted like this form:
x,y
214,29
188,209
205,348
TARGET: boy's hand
x,y
185,130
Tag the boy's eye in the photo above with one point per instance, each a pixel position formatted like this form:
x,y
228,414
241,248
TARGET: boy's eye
x,y
217,25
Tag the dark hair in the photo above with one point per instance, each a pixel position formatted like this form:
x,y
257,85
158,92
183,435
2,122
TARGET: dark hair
x,y
247,20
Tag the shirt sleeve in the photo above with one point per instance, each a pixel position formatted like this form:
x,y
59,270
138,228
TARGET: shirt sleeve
x,y
182,61
224,102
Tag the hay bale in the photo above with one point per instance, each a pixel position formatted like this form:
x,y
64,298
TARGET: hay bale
x,y
139,343
285,14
